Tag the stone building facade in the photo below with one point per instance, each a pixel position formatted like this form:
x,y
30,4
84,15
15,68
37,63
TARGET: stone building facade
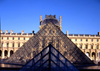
x,y
10,42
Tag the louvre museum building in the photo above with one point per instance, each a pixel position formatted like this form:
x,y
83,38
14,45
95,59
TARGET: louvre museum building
x,y
49,49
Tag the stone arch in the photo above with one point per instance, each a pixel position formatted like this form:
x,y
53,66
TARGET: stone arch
x,y
6,53
93,56
0,53
88,54
11,52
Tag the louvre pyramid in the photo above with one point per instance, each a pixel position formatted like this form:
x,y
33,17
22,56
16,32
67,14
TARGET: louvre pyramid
x,y
49,59
49,34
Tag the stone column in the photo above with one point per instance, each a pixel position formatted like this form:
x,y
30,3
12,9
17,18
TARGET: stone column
x,y
90,55
96,57
8,52
3,54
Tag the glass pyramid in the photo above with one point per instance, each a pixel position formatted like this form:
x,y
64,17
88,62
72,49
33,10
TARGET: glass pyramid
x,y
49,59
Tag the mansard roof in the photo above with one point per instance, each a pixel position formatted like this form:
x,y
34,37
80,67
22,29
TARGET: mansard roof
x,y
49,34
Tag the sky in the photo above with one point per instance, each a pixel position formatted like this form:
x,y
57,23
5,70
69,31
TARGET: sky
x,y
78,16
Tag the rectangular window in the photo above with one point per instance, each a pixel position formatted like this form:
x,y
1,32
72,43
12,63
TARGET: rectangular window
x,y
2,45
97,47
91,46
7,38
2,38
80,39
18,38
24,38
13,38
7,44
86,46
97,40
12,44
81,46
75,39
92,40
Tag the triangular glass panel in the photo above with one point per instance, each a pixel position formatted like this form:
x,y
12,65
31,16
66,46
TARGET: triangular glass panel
x,y
49,59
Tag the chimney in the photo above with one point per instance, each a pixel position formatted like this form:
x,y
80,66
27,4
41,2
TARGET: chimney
x,y
6,31
99,33
67,33
1,31
11,31
60,20
40,19
22,32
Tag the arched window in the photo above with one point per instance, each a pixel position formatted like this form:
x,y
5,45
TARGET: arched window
x,y
93,55
11,52
88,54
6,52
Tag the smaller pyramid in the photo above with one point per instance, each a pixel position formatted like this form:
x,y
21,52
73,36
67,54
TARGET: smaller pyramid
x,y
49,59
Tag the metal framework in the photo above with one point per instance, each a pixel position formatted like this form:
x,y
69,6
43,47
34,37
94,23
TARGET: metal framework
x,y
49,59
